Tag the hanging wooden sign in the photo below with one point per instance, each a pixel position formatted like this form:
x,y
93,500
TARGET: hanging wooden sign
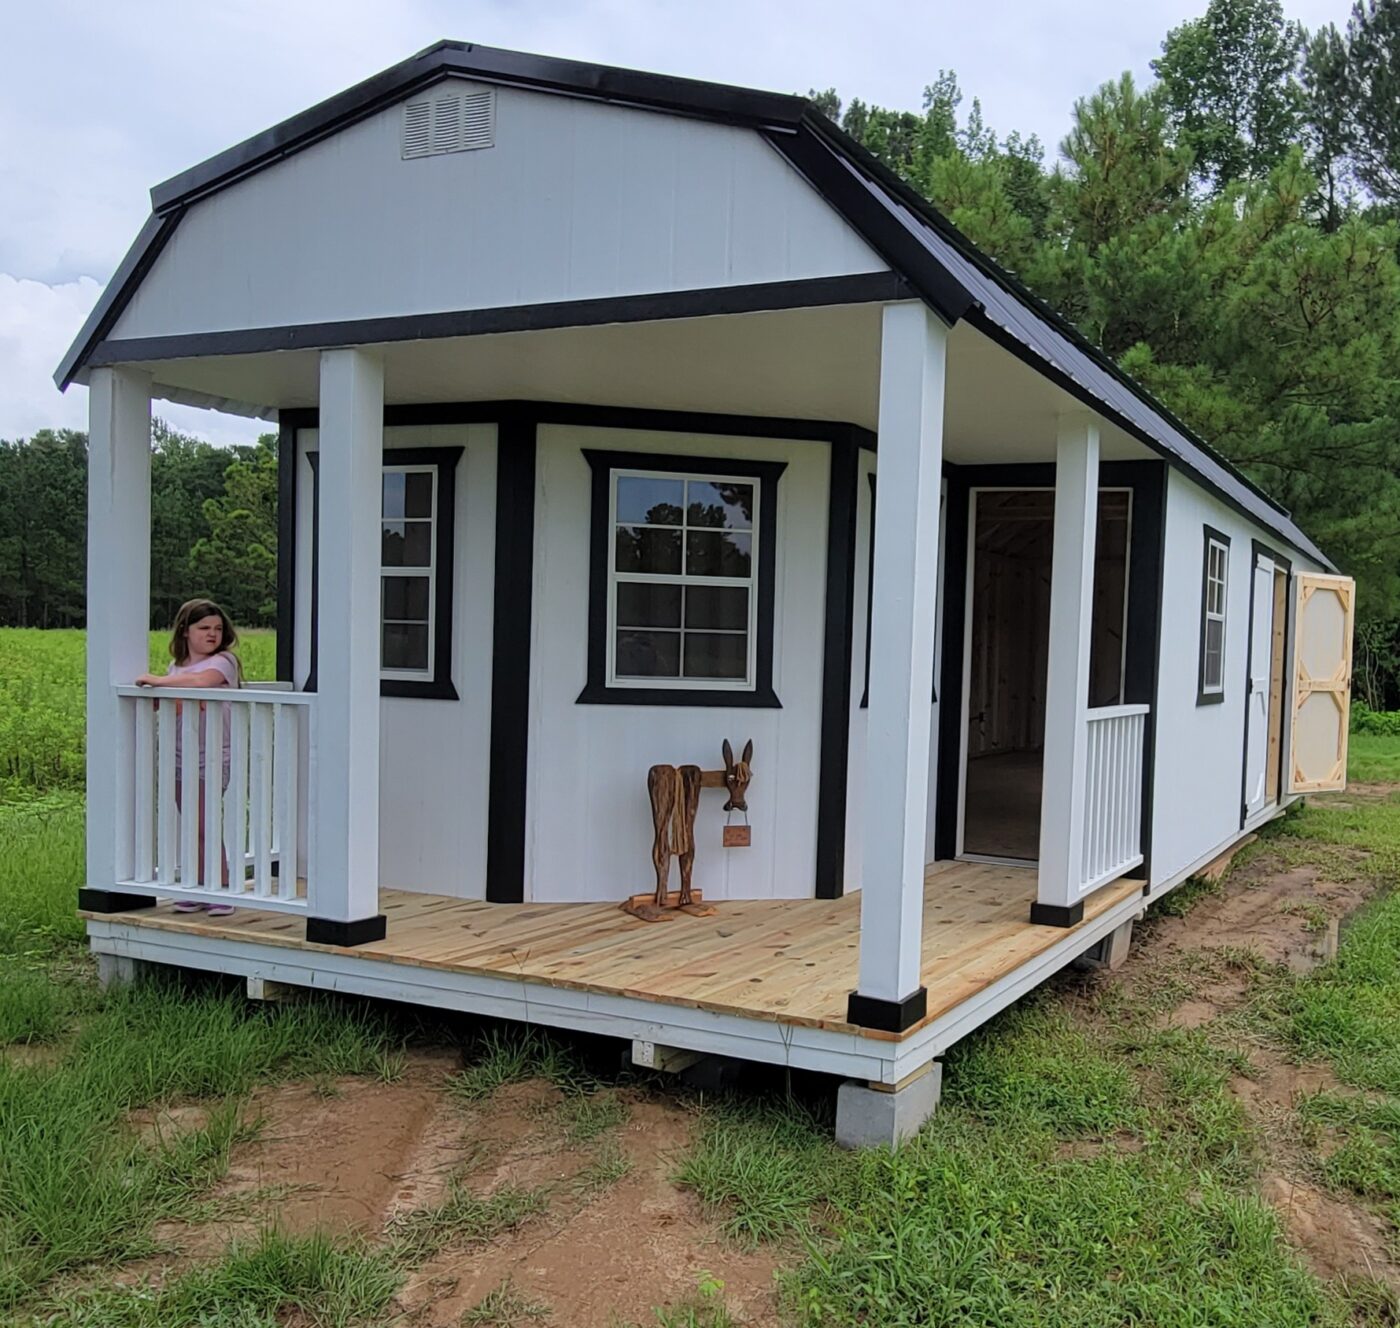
x,y
737,836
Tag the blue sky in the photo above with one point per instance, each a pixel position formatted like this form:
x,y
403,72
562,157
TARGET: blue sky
x,y
100,101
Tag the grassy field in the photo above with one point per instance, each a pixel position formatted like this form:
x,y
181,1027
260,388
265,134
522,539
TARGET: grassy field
x,y
41,704
1091,1165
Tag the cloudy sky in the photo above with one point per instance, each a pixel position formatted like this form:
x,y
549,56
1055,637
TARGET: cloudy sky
x,y
99,101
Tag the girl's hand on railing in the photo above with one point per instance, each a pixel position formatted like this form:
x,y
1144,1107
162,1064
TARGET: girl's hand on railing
x,y
150,680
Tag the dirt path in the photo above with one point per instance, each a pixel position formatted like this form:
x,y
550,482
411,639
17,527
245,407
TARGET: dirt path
x,y
1287,915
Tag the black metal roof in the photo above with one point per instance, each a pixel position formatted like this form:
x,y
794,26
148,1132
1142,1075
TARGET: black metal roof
x,y
919,243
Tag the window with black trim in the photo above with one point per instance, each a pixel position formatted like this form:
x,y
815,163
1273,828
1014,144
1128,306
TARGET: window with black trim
x,y
416,536
1215,577
681,581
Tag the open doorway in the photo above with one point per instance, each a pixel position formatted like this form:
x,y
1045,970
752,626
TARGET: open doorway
x,y
1011,536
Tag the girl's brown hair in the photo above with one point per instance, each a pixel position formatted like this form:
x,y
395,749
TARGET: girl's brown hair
x,y
191,611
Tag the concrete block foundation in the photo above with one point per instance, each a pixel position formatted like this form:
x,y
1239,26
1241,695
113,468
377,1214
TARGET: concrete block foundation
x,y
884,1116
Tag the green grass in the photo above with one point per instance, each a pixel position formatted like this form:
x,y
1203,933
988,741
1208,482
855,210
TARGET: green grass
x,y
78,1183
42,680
1373,758
463,1218
514,1054
504,1307
257,1285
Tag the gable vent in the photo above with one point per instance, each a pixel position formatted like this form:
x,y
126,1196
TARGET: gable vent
x,y
449,122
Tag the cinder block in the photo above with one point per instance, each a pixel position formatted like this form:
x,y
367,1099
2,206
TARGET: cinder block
x,y
1111,951
875,1117
117,970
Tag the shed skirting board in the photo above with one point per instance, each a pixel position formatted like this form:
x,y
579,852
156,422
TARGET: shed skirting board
x,y
876,1058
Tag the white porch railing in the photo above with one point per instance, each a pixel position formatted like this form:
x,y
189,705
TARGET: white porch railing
x,y
245,840
1112,794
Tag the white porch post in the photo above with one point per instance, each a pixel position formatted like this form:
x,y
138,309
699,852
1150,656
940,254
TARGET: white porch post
x,y
904,596
345,826
118,616
1067,675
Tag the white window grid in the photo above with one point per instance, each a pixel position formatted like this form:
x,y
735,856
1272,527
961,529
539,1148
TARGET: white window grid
x,y
749,681
429,570
1217,576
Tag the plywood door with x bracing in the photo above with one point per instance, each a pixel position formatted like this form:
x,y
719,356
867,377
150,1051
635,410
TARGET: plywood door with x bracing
x,y
1317,757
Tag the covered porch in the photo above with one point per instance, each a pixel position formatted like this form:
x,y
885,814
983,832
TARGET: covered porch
x,y
297,831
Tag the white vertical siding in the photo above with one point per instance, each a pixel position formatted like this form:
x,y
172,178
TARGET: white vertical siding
x,y
577,200
589,819
434,755
1198,763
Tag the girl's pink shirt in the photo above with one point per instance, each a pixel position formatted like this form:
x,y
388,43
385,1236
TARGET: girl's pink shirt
x,y
222,663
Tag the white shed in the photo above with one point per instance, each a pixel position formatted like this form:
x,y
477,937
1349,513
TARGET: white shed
x,y
621,415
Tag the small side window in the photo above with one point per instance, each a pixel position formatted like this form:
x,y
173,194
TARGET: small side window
x,y
1215,577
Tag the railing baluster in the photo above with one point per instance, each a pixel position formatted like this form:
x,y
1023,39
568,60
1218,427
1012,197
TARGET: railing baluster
x,y
236,799
260,797
189,794
286,801
145,790
167,818
1113,792
213,783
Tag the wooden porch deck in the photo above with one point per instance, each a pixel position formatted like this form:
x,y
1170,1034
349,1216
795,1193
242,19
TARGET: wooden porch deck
x,y
791,961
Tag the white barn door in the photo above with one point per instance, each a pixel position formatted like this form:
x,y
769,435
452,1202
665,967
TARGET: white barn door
x,y
1317,757
1256,742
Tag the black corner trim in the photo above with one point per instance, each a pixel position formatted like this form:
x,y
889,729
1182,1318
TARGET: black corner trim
x,y
887,1016
596,690
510,659
1057,915
843,491
112,901
1211,535
289,422
363,931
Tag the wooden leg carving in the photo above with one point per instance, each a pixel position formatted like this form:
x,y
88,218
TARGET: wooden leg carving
x,y
663,787
688,804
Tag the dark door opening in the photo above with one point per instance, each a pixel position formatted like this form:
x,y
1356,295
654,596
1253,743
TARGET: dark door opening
x,y
1007,639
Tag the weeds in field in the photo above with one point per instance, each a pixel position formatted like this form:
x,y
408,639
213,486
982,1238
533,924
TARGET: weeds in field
x,y
460,1218
333,1284
504,1307
510,1056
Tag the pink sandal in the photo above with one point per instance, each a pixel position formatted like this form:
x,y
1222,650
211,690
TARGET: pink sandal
x,y
190,906
221,910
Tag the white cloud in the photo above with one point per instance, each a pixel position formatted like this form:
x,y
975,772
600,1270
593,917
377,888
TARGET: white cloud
x,y
38,321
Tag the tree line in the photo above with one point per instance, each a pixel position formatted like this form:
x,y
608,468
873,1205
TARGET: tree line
x,y
213,527
1228,234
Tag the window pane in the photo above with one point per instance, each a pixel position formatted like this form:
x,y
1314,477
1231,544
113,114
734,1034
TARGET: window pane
x,y
393,494
640,549
405,646
407,544
648,654
406,597
717,606
717,553
642,501
1215,642
418,494
719,503
645,605
711,655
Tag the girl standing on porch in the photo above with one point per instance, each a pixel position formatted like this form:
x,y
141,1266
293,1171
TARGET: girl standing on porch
x,y
201,655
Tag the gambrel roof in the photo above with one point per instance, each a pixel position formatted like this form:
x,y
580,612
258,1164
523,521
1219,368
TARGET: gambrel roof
x,y
923,249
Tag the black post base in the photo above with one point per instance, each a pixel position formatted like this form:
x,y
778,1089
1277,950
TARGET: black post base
x,y
1057,915
325,931
887,1016
112,901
